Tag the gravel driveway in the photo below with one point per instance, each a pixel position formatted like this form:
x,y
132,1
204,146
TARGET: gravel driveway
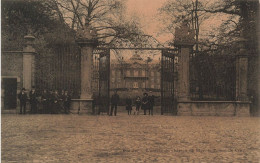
x,y
85,138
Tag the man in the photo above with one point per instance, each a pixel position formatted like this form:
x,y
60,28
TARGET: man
x,y
145,102
55,102
33,100
129,105
61,100
151,103
45,101
66,102
114,102
23,98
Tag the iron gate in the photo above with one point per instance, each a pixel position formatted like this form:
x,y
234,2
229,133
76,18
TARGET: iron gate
x,y
103,101
168,104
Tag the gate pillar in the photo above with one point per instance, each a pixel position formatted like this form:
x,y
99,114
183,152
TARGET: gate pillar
x,y
86,39
28,62
184,40
241,72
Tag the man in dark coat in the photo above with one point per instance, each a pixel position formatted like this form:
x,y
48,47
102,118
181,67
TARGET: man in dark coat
x,y
129,105
33,100
55,102
61,101
23,98
114,102
151,103
145,103
45,101
66,102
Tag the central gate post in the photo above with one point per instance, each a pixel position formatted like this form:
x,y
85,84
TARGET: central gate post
x,y
87,40
184,40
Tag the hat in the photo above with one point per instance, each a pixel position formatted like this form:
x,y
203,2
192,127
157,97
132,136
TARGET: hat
x,y
23,89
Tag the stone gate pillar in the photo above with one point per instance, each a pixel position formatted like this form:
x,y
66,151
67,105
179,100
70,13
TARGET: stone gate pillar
x,y
28,62
86,39
241,72
184,40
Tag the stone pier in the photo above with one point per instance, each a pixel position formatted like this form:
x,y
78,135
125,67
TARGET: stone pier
x,y
241,78
28,63
86,39
184,40
241,73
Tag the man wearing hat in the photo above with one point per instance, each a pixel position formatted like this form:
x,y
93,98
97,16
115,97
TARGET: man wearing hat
x,y
33,100
23,98
114,103
151,102
145,103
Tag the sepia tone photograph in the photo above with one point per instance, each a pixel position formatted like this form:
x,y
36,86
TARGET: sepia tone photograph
x,y
130,81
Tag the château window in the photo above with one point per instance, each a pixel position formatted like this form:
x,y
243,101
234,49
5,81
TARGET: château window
x,y
135,73
135,85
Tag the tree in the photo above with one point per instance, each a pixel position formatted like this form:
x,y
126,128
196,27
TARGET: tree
x,y
240,18
246,25
106,17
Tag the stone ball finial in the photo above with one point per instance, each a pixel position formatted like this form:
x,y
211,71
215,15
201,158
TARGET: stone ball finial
x,y
86,35
184,35
29,39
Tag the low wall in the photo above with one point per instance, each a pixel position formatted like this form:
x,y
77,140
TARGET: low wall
x,y
81,106
213,108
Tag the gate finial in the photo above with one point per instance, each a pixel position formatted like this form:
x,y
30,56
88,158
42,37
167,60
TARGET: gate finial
x,y
184,35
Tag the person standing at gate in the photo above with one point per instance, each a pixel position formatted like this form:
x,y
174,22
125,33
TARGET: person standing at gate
x,y
138,104
61,101
151,103
128,105
45,101
23,98
114,102
66,102
55,99
145,103
33,100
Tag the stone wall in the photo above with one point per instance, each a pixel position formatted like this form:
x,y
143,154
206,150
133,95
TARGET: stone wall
x,y
12,67
213,108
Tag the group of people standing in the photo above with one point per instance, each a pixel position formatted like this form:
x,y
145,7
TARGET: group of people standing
x,y
52,102
146,103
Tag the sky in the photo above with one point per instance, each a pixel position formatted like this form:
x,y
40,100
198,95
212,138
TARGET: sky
x,y
147,11
148,15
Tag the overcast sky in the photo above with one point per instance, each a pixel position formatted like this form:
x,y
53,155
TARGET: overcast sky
x,y
147,11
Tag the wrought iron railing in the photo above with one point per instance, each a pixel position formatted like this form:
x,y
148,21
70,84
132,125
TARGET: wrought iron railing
x,y
212,77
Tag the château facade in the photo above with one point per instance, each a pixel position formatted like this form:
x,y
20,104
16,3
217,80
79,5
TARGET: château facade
x,y
135,76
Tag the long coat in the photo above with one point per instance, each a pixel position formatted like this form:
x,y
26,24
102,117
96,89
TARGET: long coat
x,y
128,104
145,103
114,99
22,97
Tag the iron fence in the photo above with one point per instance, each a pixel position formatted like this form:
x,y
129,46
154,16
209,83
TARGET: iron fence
x,y
212,77
59,70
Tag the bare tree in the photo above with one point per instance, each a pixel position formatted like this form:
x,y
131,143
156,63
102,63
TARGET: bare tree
x,y
106,17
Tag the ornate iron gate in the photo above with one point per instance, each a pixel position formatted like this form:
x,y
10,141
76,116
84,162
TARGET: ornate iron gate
x,y
103,101
168,104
